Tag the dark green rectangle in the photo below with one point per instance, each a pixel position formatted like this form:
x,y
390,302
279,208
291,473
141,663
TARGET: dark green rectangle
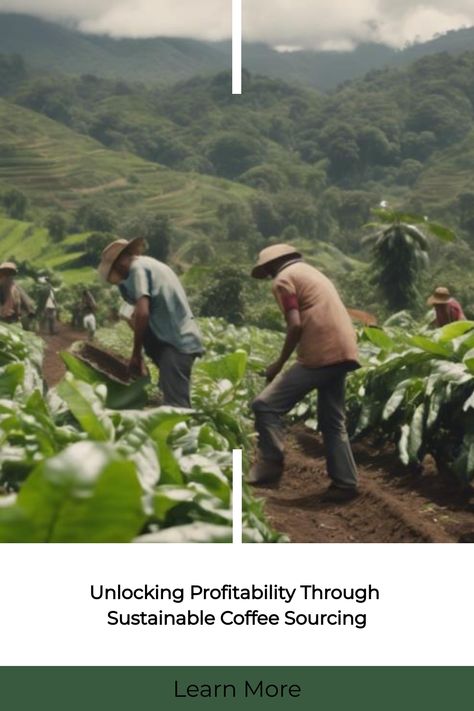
x,y
328,688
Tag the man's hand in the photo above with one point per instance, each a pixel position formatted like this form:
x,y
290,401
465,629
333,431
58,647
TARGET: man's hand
x,y
273,370
141,318
136,366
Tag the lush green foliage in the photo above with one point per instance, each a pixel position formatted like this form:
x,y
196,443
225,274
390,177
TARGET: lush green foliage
x,y
88,468
15,203
416,391
420,391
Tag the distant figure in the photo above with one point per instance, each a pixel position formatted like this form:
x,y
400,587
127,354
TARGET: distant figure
x,y
49,306
447,308
90,324
88,310
15,304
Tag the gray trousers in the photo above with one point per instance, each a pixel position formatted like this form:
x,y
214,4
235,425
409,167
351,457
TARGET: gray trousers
x,y
50,321
280,396
175,371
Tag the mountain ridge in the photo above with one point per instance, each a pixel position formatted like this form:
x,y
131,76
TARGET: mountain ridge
x,y
58,47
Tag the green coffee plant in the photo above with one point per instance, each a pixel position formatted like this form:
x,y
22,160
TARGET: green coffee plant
x,y
87,462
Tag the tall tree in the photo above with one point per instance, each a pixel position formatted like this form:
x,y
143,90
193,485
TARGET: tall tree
x,y
400,253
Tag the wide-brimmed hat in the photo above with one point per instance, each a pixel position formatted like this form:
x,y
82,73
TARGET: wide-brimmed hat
x,y
441,295
113,251
9,267
270,254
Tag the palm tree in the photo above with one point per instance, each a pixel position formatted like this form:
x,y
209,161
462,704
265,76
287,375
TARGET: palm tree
x,y
400,253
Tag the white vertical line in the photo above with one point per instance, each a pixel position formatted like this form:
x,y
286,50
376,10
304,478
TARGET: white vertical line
x,y
236,46
237,496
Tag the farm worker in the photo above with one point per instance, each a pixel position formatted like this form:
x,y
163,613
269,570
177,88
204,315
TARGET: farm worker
x,y
49,306
88,309
447,308
320,329
14,302
162,322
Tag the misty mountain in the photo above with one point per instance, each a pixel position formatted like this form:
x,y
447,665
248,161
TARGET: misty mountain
x,y
50,46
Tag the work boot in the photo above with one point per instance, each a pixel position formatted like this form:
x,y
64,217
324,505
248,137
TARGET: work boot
x,y
339,495
265,471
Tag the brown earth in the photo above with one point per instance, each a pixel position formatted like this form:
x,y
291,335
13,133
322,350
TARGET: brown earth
x,y
53,367
394,506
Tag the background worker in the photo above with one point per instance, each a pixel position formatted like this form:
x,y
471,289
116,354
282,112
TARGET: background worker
x,y
49,306
162,322
320,329
88,311
446,307
15,304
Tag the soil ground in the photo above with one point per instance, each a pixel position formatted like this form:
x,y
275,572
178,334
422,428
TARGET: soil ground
x,y
53,367
394,506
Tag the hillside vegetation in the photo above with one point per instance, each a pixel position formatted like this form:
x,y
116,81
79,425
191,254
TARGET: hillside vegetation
x,y
212,177
387,134
58,167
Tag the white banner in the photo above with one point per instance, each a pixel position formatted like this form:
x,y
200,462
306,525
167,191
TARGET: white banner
x,y
422,615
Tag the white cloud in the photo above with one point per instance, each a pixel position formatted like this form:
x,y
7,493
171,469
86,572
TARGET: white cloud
x,y
322,24
140,18
338,24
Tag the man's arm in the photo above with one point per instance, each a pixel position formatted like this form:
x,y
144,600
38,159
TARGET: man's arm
x,y
141,319
293,335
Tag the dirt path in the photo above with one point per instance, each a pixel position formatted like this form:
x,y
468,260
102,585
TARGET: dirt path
x,y
53,367
394,507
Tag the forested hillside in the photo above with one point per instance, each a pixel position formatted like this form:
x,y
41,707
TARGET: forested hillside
x,y
386,135
214,177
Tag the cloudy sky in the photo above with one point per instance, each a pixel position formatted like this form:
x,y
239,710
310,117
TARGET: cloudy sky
x,y
325,24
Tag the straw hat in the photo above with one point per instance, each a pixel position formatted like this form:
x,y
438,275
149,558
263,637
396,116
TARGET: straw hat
x,y
113,251
9,267
270,254
441,296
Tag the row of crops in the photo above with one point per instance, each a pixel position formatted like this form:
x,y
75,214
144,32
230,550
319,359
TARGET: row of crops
x,y
416,391
419,392
88,462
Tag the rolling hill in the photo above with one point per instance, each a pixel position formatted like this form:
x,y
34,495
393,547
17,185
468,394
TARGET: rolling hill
x,y
232,173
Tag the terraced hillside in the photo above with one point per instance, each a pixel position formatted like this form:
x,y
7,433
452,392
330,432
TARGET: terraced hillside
x,y
58,168
447,176
25,241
